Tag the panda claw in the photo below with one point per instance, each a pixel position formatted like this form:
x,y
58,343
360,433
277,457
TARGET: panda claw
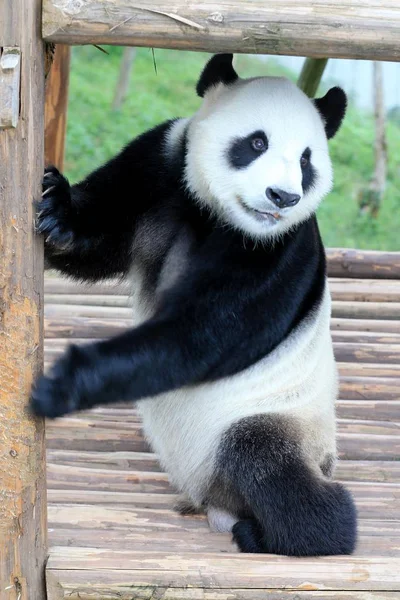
x,y
50,189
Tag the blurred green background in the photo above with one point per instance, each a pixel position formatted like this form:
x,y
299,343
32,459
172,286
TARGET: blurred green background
x,y
95,132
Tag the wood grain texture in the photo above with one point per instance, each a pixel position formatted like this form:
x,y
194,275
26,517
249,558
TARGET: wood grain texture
x,y
22,467
361,29
56,107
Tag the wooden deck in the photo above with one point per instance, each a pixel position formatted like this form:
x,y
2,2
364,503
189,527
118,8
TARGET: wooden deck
x,y
112,531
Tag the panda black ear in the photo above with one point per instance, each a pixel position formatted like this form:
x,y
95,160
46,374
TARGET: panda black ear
x,y
332,108
219,69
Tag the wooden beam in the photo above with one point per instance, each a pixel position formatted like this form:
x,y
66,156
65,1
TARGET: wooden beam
x,y
23,525
56,107
358,29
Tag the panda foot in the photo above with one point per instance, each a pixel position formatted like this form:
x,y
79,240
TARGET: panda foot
x,y
185,507
70,385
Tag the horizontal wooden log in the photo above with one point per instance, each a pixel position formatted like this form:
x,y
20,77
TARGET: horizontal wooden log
x,y
85,327
132,461
217,570
110,299
384,543
143,538
76,477
352,446
86,425
357,30
371,500
61,291
369,353
366,310
365,388
100,584
344,310
92,327
347,470
98,440
53,311
367,290
61,285
368,410
110,498
361,426
344,351
385,471
354,291
348,369
360,325
364,446
363,263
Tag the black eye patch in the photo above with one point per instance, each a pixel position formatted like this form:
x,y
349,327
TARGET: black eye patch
x,y
243,151
308,171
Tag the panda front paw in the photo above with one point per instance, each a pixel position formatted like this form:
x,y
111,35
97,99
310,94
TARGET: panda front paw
x,y
54,212
70,385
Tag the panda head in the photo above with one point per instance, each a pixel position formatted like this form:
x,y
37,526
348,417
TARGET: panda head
x,y
257,151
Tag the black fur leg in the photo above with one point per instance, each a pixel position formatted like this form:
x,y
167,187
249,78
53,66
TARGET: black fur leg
x,y
248,536
294,512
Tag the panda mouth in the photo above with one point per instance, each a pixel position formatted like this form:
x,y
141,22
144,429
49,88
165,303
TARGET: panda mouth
x,y
260,215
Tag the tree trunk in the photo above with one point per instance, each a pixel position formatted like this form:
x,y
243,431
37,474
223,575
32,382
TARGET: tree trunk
x,y
123,80
370,200
379,182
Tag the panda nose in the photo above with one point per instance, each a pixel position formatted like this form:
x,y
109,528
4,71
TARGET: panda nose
x,y
280,198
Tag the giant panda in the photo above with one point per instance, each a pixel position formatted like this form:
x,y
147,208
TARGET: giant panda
x,y
230,360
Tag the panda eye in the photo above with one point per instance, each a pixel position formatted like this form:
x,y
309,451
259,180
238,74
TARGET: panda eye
x,y
258,144
305,158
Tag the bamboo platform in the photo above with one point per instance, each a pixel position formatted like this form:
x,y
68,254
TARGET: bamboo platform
x,y
112,531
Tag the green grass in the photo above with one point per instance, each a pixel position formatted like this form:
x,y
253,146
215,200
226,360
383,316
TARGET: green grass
x,y
95,133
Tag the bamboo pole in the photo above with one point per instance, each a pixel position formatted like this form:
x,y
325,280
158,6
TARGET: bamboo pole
x,y
122,87
311,75
23,527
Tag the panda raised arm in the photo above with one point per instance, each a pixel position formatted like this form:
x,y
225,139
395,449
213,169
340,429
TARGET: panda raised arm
x,y
231,364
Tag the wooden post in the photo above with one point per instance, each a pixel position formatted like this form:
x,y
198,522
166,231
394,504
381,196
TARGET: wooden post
x,y
56,106
311,75
22,465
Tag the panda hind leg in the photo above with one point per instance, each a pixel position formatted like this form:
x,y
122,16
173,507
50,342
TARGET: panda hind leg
x,y
290,509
